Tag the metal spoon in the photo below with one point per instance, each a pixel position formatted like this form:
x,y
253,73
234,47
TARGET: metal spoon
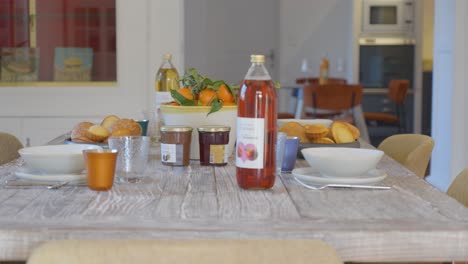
x,y
321,187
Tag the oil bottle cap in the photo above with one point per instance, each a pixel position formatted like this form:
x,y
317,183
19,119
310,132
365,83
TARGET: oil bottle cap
x,y
167,56
257,58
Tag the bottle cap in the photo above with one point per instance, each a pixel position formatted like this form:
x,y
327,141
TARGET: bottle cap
x,y
257,58
167,56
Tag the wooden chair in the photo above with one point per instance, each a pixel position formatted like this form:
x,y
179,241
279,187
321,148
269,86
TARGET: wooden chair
x,y
411,150
184,251
397,91
334,101
9,146
459,188
306,81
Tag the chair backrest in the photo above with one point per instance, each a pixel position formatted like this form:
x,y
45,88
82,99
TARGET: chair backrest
x,y
336,97
459,188
9,146
307,81
184,251
397,91
411,150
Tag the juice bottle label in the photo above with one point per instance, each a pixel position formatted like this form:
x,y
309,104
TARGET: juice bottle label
x,y
250,142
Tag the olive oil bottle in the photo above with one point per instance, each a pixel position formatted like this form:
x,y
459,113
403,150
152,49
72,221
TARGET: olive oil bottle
x,y
167,79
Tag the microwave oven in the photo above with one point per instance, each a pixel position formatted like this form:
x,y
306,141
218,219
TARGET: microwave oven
x,y
388,17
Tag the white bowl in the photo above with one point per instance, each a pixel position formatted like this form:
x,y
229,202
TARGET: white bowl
x,y
56,159
342,162
196,116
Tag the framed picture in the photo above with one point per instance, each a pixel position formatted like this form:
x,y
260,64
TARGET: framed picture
x,y
19,64
73,64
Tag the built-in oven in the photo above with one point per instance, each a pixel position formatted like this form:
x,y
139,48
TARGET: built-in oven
x,y
384,59
380,61
388,17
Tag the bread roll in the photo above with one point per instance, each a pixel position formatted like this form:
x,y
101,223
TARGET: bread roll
x,y
354,130
316,131
129,124
108,121
341,132
78,133
97,133
294,129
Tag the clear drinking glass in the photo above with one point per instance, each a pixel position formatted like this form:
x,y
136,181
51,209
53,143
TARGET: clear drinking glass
x,y
133,157
280,144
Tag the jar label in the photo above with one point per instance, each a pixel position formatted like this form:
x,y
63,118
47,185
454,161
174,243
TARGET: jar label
x,y
250,142
172,153
218,154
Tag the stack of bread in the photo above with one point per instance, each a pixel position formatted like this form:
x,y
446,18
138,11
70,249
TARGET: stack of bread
x,y
111,126
338,132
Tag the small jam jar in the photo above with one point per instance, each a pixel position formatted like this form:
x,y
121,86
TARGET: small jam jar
x,y
213,145
175,145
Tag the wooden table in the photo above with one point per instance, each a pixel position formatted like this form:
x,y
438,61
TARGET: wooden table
x,y
411,222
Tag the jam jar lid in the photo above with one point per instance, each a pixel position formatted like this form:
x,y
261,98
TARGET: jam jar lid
x,y
214,128
176,129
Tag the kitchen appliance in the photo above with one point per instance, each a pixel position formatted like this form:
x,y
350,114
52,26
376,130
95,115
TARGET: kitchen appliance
x,y
385,59
388,17
380,61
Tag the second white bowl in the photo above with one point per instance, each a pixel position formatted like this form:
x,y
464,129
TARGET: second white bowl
x,y
342,162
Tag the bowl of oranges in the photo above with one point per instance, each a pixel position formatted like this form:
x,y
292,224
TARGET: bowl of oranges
x,y
202,101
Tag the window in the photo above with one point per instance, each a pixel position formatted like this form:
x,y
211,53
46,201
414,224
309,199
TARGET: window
x,y
57,41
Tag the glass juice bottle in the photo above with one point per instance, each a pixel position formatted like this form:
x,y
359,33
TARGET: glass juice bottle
x,y
256,128
167,79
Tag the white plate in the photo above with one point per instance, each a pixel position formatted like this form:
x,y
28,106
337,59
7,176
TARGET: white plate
x,y
312,176
27,174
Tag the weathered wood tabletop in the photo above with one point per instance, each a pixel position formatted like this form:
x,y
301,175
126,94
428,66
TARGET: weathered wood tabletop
x,y
411,222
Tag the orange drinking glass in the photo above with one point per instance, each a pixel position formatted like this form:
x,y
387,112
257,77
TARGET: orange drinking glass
x,y
100,167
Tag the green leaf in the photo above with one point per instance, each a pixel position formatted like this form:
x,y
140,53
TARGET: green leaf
x,y
215,106
181,99
205,83
216,84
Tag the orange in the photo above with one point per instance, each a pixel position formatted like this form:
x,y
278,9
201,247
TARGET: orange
x,y
185,92
224,94
206,96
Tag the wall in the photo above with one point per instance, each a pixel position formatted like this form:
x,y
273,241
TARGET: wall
x,y
310,29
449,121
428,33
41,113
